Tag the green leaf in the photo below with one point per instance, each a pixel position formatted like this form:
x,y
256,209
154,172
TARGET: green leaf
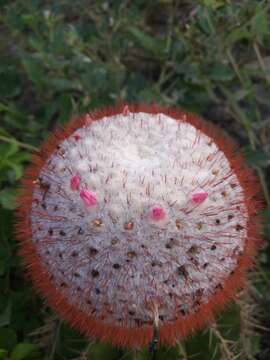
x,y
8,338
205,21
34,70
5,315
10,81
241,94
66,107
25,351
200,346
266,217
260,23
257,158
214,4
3,354
62,84
7,150
17,168
237,34
95,78
8,199
148,42
103,351
165,352
221,72
5,253
36,44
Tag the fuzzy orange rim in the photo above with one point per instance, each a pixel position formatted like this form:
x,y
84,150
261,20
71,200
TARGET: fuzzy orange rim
x,y
171,332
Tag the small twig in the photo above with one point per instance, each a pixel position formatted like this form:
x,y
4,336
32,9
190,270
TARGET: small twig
x,y
223,342
182,351
235,67
84,353
261,61
55,339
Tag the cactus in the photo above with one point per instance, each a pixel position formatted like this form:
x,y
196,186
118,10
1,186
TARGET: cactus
x,y
136,221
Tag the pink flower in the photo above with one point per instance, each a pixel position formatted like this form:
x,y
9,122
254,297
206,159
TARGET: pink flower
x,y
126,110
75,182
77,137
88,197
198,198
157,213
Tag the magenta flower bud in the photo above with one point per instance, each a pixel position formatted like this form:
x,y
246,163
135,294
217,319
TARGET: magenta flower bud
x,y
157,213
126,110
77,137
198,198
88,197
75,182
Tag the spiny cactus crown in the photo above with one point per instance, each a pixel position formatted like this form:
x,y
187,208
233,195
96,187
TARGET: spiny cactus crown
x,y
138,210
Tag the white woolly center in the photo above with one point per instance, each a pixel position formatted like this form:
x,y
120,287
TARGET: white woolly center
x,y
113,260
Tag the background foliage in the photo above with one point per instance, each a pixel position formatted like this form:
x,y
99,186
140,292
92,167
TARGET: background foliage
x,y
60,58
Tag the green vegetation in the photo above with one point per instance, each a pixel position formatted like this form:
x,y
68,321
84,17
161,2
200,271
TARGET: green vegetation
x,y
61,58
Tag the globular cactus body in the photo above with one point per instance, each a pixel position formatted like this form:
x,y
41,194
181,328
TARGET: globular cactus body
x,y
136,211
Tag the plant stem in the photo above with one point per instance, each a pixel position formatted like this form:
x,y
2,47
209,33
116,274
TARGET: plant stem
x,y
55,339
19,143
261,61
